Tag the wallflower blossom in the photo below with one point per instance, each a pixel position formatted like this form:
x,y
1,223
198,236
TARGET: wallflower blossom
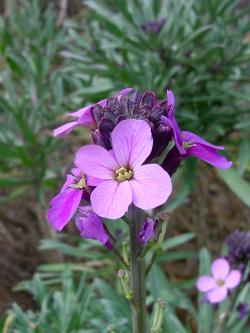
x,y
103,116
91,226
147,231
190,144
84,116
121,177
66,202
222,280
153,27
243,310
238,244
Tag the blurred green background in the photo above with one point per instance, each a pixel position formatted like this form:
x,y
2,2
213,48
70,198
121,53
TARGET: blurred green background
x,y
57,56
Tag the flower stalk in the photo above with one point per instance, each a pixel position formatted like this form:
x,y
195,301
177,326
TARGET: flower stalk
x,y
137,272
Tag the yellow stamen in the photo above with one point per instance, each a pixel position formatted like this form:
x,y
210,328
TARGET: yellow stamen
x,y
187,145
82,184
220,282
123,174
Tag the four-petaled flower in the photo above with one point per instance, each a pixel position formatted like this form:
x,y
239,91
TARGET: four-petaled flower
x,y
222,280
190,144
66,202
120,175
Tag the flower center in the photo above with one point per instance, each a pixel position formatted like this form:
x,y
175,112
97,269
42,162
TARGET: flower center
x,y
123,174
187,144
220,282
81,184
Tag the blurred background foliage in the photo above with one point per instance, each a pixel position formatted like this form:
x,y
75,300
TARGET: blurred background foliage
x,y
57,56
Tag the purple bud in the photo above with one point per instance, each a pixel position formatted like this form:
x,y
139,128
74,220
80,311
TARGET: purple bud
x,y
91,226
243,310
172,161
238,244
147,231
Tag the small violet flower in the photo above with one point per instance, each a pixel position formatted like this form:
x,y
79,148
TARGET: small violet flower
x,y
238,243
147,231
91,226
217,285
120,176
243,310
65,203
84,116
190,144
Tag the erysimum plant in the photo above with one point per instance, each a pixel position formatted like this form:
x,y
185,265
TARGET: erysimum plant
x,y
126,174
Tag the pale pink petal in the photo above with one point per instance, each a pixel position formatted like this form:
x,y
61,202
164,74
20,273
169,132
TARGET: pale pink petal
x,y
93,181
111,199
65,129
191,137
63,207
132,142
151,186
233,279
206,283
80,112
76,172
217,295
220,268
96,161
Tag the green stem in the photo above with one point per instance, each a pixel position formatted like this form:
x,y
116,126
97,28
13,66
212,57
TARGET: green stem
x,y
137,273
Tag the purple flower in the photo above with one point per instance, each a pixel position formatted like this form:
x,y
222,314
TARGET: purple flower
x,y
123,177
90,226
147,231
190,144
84,116
238,244
153,27
65,203
243,310
217,285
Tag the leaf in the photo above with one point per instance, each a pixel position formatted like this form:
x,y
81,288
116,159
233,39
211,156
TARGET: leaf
x,y
236,184
177,240
244,156
205,309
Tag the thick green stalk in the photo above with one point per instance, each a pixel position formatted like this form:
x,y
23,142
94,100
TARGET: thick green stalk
x,y
137,273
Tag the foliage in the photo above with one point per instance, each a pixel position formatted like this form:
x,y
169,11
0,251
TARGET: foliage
x,y
32,94
71,300
201,52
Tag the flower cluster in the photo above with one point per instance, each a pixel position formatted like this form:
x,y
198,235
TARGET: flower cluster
x,y
238,244
130,131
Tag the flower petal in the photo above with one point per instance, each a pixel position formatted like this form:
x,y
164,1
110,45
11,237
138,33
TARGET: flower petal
x,y
209,155
96,161
69,180
132,142
206,283
151,186
233,279
90,225
191,137
63,207
220,268
93,181
65,129
217,295
111,199
171,121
